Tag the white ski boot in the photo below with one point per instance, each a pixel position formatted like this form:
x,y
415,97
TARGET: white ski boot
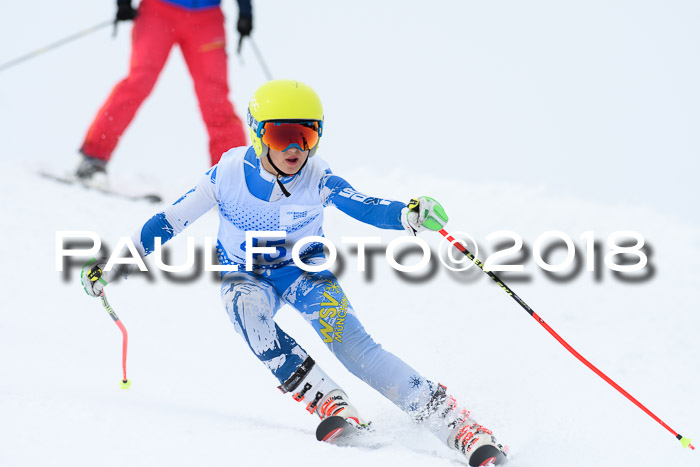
x,y
322,396
477,443
335,403
452,424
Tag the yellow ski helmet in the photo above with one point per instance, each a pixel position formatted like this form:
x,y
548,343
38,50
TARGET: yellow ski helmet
x,y
282,100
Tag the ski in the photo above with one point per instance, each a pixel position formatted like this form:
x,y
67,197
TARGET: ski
x,y
333,428
336,430
71,180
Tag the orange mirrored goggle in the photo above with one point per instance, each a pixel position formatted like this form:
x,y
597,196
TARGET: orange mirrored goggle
x,y
281,136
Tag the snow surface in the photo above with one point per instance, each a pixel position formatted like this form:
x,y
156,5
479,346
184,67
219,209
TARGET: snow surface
x,y
576,118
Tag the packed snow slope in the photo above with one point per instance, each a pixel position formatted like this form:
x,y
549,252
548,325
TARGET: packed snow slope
x,y
526,118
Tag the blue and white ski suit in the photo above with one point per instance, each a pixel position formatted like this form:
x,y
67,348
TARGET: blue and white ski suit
x,y
249,199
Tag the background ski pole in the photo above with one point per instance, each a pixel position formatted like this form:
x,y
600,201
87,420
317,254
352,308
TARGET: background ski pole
x,y
685,442
53,45
259,56
125,383
266,70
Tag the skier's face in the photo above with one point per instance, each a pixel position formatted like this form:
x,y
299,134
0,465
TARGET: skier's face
x,y
289,161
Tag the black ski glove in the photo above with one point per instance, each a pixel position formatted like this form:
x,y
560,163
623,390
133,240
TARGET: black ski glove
x,y
125,12
245,25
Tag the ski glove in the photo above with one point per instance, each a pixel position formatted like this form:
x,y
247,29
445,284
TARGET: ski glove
x,y
94,277
423,213
125,12
245,25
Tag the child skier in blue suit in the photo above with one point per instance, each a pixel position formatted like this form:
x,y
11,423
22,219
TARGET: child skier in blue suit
x,y
279,186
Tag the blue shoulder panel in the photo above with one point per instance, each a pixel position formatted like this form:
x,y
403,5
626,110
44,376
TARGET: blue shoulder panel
x,y
258,186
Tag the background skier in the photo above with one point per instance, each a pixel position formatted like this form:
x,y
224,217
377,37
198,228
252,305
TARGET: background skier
x,y
198,28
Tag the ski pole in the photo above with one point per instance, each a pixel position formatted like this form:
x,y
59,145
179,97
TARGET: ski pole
x,y
125,383
268,75
685,442
53,45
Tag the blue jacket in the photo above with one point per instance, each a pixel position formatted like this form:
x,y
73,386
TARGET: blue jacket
x,y
244,6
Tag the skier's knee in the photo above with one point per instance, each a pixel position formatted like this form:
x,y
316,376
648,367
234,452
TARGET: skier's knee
x,y
359,354
140,81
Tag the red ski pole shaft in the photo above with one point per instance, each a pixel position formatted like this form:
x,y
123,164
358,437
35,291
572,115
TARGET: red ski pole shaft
x,y
684,441
125,338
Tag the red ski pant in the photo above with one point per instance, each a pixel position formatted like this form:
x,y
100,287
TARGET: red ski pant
x,y
201,37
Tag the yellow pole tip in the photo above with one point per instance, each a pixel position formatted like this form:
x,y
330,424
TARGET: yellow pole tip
x,y
686,442
126,384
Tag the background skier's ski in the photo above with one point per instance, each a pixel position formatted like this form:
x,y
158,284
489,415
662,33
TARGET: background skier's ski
x,y
71,180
